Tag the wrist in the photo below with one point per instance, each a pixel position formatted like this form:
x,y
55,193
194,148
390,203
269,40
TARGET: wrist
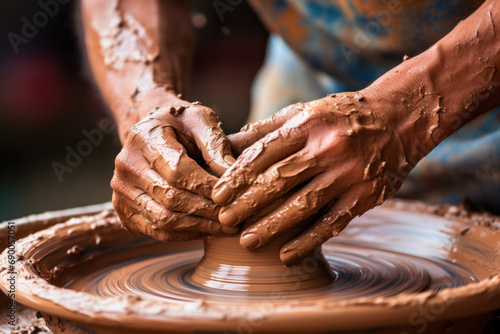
x,y
409,108
141,106
156,97
432,95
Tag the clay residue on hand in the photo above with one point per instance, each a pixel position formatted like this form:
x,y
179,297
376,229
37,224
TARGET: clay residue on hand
x,y
339,158
123,39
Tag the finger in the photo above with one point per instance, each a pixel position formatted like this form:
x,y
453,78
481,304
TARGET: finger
x,y
180,200
165,219
137,172
169,158
140,202
137,225
210,139
133,222
199,224
348,206
270,185
303,204
268,209
254,160
252,132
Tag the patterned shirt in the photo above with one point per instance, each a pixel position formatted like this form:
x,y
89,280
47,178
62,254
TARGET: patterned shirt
x,y
359,40
326,46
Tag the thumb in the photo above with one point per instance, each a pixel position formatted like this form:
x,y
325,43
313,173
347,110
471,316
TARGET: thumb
x,y
241,140
211,140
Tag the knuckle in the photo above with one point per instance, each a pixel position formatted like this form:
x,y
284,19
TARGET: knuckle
x,y
136,132
158,187
251,127
191,223
131,226
199,110
302,120
176,177
169,221
161,216
142,199
204,110
253,152
119,187
217,142
169,198
116,203
142,131
291,109
120,164
308,117
333,145
114,183
310,201
271,177
215,229
128,161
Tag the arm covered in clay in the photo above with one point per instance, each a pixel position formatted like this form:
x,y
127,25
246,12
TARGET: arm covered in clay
x,y
337,157
140,53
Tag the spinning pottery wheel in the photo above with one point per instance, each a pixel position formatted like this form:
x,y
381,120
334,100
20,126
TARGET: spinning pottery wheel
x,y
402,267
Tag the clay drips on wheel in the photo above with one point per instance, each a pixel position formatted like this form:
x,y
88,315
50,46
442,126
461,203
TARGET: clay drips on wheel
x,y
386,261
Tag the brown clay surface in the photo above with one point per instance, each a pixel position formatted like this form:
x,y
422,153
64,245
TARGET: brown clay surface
x,y
389,264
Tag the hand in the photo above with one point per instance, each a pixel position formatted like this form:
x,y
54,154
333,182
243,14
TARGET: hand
x,y
338,156
252,132
159,186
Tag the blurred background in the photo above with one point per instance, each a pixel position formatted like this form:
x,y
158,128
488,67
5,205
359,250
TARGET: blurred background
x,y
48,103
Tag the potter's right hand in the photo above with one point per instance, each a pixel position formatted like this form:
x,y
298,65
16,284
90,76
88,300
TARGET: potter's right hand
x,y
159,187
331,160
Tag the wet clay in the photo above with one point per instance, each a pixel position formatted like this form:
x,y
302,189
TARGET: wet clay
x,y
392,262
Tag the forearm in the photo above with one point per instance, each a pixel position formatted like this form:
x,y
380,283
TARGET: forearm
x,y
430,96
139,52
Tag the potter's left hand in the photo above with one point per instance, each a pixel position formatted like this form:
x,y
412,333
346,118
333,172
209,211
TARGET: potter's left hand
x,y
335,157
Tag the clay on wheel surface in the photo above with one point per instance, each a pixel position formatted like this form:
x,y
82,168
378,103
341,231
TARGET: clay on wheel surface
x,y
386,266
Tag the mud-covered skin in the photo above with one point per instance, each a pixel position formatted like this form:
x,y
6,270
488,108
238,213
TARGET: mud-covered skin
x,y
344,161
140,53
342,155
158,187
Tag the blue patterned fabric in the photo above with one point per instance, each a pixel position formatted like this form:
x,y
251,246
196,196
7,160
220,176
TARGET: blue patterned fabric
x,y
323,46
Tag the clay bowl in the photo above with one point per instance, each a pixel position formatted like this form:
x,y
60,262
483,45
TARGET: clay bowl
x,y
402,267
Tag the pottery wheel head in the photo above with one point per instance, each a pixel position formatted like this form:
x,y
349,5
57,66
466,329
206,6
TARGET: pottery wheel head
x,y
386,265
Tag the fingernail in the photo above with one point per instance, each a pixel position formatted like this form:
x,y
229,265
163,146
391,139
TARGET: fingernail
x,y
221,195
229,229
289,257
228,217
249,240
